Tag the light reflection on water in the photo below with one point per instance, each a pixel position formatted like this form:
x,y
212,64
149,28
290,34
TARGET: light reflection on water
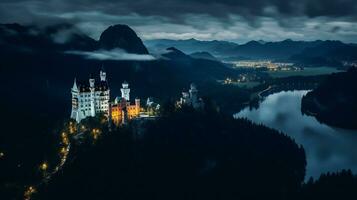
x,y
327,148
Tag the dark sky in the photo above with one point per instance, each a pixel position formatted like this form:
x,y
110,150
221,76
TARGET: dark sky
x,y
234,20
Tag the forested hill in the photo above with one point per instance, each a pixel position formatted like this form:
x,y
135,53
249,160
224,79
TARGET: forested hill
x,y
195,155
185,154
334,101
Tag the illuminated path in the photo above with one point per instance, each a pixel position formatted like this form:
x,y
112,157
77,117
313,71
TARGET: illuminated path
x,y
260,93
64,155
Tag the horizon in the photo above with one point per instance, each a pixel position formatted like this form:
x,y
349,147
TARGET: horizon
x,y
186,39
239,21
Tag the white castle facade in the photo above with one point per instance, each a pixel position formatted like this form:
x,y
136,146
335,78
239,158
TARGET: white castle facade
x,y
91,98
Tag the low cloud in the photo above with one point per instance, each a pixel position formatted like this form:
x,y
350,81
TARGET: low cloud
x,y
115,54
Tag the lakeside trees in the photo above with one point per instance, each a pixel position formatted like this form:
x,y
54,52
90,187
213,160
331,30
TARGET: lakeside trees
x,y
334,101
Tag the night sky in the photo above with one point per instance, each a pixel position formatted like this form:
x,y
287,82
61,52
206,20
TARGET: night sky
x,y
233,20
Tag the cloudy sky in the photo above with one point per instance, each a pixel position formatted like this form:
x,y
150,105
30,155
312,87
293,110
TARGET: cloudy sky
x,y
233,20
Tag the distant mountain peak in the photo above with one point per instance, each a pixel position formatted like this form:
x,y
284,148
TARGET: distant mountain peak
x,y
174,53
253,42
172,49
123,37
262,41
203,55
192,39
287,40
175,50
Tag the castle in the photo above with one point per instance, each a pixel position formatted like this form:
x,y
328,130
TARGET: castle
x,y
121,109
191,98
93,97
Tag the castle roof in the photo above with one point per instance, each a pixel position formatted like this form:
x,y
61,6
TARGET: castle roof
x,y
99,86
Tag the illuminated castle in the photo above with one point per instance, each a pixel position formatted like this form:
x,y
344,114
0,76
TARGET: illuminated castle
x,y
93,97
121,109
191,98
90,98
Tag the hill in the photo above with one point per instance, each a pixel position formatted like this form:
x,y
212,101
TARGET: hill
x,y
334,101
123,37
185,154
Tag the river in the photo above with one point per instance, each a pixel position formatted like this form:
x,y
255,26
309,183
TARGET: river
x,y
328,149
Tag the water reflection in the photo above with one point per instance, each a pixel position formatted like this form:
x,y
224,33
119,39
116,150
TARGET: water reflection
x,y
327,148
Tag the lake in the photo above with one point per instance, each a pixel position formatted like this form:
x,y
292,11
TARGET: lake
x,y
327,148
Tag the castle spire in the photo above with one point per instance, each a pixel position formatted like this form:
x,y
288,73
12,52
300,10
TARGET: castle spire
x,y
75,85
91,81
125,91
102,74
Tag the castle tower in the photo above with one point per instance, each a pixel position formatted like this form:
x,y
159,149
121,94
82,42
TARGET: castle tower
x,y
137,106
193,94
75,91
125,91
103,75
92,95
91,81
124,119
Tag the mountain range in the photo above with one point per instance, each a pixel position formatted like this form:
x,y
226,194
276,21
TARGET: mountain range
x,y
309,53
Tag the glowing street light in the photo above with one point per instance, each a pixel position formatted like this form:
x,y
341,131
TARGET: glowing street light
x,y
95,133
44,166
63,150
28,192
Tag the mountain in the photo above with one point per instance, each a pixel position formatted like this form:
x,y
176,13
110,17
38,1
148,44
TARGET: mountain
x,y
175,54
190,46
334,101
65,37
123,37
262,41
287,50
329,53
272,50
249,50
203,55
